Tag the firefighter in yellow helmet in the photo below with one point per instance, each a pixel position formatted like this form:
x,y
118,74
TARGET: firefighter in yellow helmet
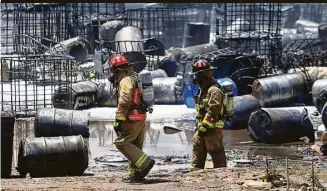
x,y
130,121
208,137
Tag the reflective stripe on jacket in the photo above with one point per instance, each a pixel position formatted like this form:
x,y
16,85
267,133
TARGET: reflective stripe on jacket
x,y
209,108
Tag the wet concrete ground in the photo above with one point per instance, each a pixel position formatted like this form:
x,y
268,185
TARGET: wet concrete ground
x,y
173,152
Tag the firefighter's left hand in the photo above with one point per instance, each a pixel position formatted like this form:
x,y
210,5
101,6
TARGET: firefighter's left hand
x,y
202,128
117,126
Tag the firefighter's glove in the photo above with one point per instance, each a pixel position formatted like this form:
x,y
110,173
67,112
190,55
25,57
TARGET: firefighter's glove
x,y
202,128
117,124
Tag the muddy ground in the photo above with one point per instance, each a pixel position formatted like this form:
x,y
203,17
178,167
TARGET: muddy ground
x,y
208,179
251,166
247,170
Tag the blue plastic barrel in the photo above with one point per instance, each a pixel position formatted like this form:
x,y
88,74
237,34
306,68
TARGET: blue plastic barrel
x,y
191,90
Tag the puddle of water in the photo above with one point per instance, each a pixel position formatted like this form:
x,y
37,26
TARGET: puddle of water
x,y
237,143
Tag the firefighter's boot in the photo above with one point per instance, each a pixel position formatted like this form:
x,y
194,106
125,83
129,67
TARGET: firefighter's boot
x,y
131,174
144,170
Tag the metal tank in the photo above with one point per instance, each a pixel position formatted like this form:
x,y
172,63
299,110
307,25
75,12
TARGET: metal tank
x,y
129,42
279,125
243,106
155,73
108,30
52,156
165,90
279,89
77,96
130,39
51,122
77,47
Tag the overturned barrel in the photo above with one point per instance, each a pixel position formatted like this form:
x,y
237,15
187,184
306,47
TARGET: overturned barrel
x,y
129,42
190,90
200,49
237,26
52,156
169,65
324,115
288,38
243,107
79,95
279,89
153,46
280,125
77,47
155,73
303,23
7,136
319,93
196,33
108,30
106,95
168,90
50,122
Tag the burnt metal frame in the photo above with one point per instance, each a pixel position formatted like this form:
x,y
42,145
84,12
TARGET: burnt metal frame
x,y
316,12
88,17
30,77
256,37
164,24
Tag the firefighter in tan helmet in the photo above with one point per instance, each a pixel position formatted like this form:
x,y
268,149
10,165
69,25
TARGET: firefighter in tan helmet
x,y
208,137
130,119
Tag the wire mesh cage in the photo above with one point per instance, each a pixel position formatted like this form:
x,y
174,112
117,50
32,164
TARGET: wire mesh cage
x,y
49,21
7,28
88,17
167,23
304,53
164,24
142,57
250,28
28,82
315,12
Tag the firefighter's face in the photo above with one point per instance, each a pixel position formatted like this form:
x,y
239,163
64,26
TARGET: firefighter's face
x,y
200,77
112,74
